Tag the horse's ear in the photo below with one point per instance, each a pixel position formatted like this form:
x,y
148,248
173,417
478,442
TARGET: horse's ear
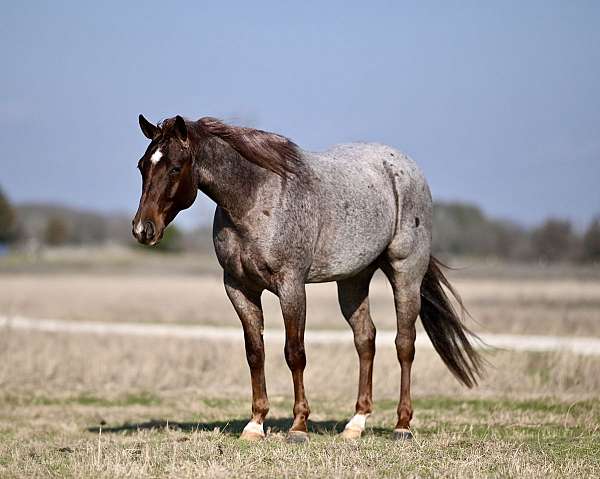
x,y
181,128
149,130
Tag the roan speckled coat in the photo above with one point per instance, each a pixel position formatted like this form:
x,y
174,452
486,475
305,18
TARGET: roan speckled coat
x,y
286,217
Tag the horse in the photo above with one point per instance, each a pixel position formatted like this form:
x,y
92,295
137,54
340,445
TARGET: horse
x,y
286,217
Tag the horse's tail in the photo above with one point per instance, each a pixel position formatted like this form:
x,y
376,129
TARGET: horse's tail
x,y
450,337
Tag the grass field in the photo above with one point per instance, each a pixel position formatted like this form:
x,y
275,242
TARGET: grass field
x,y
81,405
176,408
526,306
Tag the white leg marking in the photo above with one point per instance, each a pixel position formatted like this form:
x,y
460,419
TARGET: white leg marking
x,y
358,422
156,156
254,427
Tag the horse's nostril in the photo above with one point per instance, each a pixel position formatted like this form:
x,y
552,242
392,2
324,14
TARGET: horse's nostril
x,y
149,229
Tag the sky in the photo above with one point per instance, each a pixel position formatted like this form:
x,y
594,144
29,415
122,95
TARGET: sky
x,y
498,102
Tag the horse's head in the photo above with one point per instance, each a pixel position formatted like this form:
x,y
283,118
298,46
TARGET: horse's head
x,y
168,178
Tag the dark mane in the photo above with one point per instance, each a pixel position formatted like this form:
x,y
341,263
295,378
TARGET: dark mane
x,y
268,150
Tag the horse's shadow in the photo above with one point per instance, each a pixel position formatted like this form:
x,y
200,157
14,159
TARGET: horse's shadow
x,y
233,427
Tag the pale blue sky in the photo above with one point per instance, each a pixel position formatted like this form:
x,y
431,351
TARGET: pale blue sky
x,y
499,102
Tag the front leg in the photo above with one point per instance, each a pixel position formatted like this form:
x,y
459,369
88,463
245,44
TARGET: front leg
x,y
248,306
292,297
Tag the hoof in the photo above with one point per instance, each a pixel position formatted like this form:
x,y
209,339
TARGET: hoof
x,y
402,434
297,437
251,436
351,433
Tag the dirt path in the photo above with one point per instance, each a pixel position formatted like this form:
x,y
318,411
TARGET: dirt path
x,y
584,346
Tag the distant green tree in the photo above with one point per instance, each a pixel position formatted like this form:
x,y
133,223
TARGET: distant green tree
x,y
172,241
8,220
463,229
591,241
511,241
57,231
554,240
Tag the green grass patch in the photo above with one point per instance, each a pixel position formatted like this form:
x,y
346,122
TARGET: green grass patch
x,y
84,399
485,406
453,438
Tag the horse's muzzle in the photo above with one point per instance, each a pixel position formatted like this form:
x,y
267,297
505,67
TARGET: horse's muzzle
x,y
145,232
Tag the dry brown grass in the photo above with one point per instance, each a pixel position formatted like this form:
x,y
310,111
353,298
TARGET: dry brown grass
x,y
533,306
68,363
535,414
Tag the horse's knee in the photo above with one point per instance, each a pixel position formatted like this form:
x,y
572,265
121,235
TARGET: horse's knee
x,y
295,356
255,357
255,349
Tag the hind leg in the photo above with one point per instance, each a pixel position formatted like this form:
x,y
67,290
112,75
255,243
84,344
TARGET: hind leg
x,y
353,296
405,276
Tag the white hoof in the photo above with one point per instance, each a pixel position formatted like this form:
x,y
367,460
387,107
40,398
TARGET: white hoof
x,y
355,427
253,432
351,433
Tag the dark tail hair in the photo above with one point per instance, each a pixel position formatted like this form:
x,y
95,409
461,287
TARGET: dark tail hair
x,y
450,337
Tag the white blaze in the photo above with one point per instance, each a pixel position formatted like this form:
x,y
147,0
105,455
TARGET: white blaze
x,y
358,422
139,228
156,156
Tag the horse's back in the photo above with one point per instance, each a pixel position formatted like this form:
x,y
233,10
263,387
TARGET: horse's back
x,y
360,189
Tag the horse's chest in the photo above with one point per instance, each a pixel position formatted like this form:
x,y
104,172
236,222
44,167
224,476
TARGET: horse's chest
x,y
242,258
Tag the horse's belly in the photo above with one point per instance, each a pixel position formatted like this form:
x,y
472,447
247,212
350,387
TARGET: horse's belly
x,y
353,237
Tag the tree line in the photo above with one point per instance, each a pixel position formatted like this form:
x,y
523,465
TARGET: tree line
x,y
460,229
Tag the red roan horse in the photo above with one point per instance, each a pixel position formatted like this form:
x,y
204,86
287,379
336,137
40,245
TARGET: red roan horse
x,y
286,217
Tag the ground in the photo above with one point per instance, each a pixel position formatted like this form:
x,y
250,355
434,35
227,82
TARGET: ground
x,y
81,405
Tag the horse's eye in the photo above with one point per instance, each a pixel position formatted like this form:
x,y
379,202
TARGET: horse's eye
x,y
175,170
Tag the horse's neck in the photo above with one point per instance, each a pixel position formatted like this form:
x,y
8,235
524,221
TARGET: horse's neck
x,y
227,178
